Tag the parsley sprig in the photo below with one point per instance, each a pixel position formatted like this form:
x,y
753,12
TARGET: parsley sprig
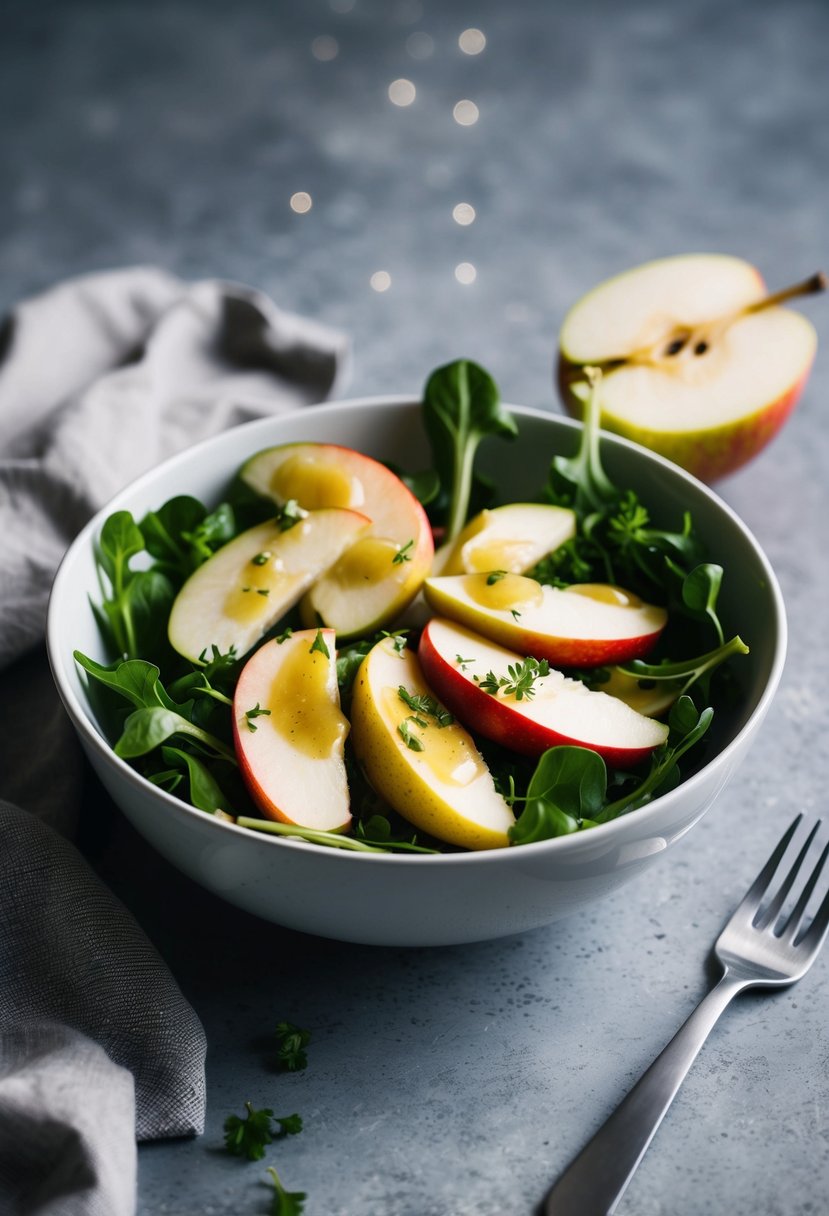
x,y
519,681
423,704
249,1136
293,1040
285,1203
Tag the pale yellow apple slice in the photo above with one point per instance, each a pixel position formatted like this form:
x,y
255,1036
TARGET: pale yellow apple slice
x,y
289,732
694,365
586,625
250,583
430,773
513,701
375,582
514,538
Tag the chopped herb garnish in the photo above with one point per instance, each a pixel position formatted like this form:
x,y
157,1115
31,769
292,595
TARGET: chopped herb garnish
x,y
412,741
404,554
421,703
290,513
247,1137
289,1125
256,712
495,576
319,645
263,590
519,681
285,1203
462,662
515,613
261,559
283,637
292,1043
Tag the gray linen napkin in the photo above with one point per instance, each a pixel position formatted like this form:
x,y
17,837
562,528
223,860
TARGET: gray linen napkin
x,y
100,378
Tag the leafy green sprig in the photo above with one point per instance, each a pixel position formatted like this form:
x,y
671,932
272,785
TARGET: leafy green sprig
x,y
461,407
519,681
568,790
293,1041
249,1135
285,1203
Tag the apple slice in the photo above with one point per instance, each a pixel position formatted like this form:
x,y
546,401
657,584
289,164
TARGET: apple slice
x,y
424,764
289,732
251,582
699,363
374,582
586,625
482,684
513,538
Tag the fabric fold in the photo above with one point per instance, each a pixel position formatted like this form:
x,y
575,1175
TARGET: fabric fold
x,y
101,378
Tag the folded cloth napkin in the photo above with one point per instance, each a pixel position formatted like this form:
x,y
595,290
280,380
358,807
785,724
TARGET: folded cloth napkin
x,y
100,378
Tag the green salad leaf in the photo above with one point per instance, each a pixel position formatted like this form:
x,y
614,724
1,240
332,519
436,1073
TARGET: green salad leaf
x,y
461,406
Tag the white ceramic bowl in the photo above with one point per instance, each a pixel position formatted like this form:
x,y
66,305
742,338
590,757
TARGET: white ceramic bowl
x,y
425,900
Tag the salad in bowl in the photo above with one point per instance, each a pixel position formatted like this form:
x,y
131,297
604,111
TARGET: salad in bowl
x,y
450,635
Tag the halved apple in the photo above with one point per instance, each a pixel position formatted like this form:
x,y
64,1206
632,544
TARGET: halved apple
x,y
699,362
482,684
512,538
585,625
289,732
425,765
383,573
251,582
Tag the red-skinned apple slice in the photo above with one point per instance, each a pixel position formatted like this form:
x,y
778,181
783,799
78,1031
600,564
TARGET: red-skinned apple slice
x,y
586,625
513,538
459,666
699,362
251,582
425,765
289,732
384,570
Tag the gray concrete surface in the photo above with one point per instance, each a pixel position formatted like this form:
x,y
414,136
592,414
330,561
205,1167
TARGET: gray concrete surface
x,y
458,1082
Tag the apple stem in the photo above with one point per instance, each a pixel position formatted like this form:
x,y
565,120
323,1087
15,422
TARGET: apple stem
x,y
808,287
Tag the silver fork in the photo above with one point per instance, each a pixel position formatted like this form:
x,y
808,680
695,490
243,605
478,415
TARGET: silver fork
x,y
769,942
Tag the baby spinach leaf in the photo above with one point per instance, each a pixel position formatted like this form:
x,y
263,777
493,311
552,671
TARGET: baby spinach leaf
x,y
461,406
120,540
205,792
163,531
568,786
135,679
149,727
700,590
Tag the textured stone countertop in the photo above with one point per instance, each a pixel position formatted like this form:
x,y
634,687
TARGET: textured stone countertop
x,y
458,1082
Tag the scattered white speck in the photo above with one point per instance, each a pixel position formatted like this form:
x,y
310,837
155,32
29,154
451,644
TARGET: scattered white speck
x,y
465,273
472,41
301,202
465,113
325,48
380,280
463,213
402,92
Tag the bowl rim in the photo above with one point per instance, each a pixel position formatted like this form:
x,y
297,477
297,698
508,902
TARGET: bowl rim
x,y
82,720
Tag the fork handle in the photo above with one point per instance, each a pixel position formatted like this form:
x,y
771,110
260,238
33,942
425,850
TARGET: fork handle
x,y
595,1181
